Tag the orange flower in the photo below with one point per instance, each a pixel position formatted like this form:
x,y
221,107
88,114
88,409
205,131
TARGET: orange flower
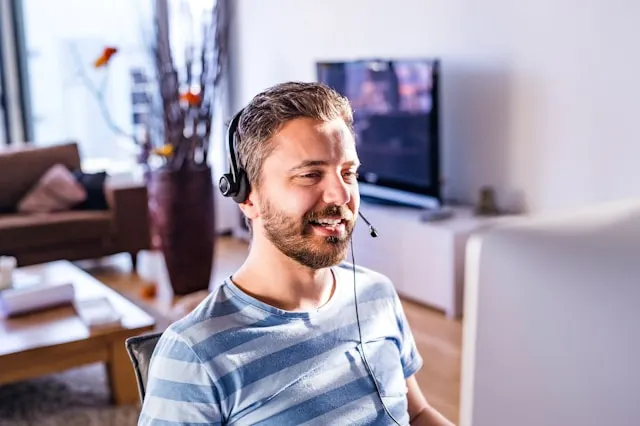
x,y
190,98
163,151
104,58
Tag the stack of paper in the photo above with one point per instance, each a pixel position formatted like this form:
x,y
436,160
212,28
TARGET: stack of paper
x,y
97,313
29,298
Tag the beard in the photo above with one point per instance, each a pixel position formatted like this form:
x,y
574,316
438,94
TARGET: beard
x,y
295,237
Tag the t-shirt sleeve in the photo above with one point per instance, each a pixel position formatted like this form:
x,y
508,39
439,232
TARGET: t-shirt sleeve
x,y
409,355
179,388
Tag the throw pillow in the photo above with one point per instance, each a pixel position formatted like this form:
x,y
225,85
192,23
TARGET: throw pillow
x,y
93,184
56,190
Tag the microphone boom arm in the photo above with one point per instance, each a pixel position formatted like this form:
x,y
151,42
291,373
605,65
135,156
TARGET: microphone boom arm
x,y
372,231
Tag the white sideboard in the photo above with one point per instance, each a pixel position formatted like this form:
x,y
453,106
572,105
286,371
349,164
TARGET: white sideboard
x,y
425,260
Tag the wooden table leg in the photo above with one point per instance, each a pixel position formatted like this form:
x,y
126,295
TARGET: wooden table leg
x,y
122,379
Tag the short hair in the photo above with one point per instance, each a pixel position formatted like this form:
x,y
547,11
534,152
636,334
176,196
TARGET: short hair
x,y
271,109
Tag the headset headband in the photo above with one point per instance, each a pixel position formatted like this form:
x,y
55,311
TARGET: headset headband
x,y
235,183
232,141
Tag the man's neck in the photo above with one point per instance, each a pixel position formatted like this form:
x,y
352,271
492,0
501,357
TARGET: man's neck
x,y
275,279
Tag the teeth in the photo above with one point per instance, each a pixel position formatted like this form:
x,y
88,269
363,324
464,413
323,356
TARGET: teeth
x,y
330,222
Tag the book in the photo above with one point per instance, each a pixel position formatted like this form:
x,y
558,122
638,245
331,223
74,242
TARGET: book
x,y
98,313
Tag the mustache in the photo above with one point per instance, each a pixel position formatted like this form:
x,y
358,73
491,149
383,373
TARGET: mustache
x,y
341,212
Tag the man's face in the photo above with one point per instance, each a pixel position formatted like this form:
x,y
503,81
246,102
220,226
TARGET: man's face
x,y
308,193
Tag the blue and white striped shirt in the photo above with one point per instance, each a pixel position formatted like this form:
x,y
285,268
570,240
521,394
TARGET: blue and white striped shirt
x,y
235,360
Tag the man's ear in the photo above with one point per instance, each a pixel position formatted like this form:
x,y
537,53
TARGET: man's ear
x,y
250,206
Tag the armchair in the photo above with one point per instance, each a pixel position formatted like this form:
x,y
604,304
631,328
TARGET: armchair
x,y
123,227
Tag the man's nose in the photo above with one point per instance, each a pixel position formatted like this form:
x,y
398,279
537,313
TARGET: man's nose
x,y
336,191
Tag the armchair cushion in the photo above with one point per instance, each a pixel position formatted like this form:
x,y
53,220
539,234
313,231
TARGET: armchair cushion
x,y
57,190
28,231
94,185
21,167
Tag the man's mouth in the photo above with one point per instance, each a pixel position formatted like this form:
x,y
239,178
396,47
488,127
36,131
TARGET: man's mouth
x,y
333,226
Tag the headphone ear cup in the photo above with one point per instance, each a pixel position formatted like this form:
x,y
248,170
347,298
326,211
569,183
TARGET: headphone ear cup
x,y
226,185
243,188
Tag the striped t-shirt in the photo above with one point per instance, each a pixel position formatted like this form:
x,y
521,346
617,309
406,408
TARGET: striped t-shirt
x,y
235,360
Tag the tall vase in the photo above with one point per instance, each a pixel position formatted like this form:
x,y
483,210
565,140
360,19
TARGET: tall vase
x,y
182,209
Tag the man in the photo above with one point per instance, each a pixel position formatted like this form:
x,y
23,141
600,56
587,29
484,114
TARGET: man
x,y
279,341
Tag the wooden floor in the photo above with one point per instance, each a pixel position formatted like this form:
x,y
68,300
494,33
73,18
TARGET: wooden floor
x,y
438,338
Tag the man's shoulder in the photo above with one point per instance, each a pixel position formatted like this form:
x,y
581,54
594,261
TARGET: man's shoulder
x,y
371,284
217,312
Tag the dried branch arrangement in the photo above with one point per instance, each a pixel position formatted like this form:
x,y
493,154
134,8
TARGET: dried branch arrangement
x,y
183,102
187,104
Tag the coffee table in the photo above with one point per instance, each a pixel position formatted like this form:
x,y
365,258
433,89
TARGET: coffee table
x,y
56,339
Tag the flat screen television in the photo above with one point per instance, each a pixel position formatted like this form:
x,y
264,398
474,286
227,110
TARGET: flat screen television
x,y
396,122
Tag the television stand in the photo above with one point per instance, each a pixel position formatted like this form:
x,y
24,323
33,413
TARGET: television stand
x,y
436,213
423,258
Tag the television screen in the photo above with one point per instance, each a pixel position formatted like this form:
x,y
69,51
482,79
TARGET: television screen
x,y
395,107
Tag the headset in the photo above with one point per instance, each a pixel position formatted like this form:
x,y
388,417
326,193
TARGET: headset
x,y
235,185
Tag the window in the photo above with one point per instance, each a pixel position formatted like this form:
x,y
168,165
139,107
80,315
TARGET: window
x,y
62,40
99,108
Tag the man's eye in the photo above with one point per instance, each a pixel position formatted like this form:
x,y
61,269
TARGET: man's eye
x,y
311,175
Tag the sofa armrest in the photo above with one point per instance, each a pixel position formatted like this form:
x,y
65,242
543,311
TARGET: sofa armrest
x,y
130,207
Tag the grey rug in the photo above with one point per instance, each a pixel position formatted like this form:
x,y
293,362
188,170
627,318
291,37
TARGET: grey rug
x,y
78,397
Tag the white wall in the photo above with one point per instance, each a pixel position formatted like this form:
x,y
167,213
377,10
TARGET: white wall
x,y
540,98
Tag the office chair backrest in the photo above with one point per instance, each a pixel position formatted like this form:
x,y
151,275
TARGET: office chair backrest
x,y
140,349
